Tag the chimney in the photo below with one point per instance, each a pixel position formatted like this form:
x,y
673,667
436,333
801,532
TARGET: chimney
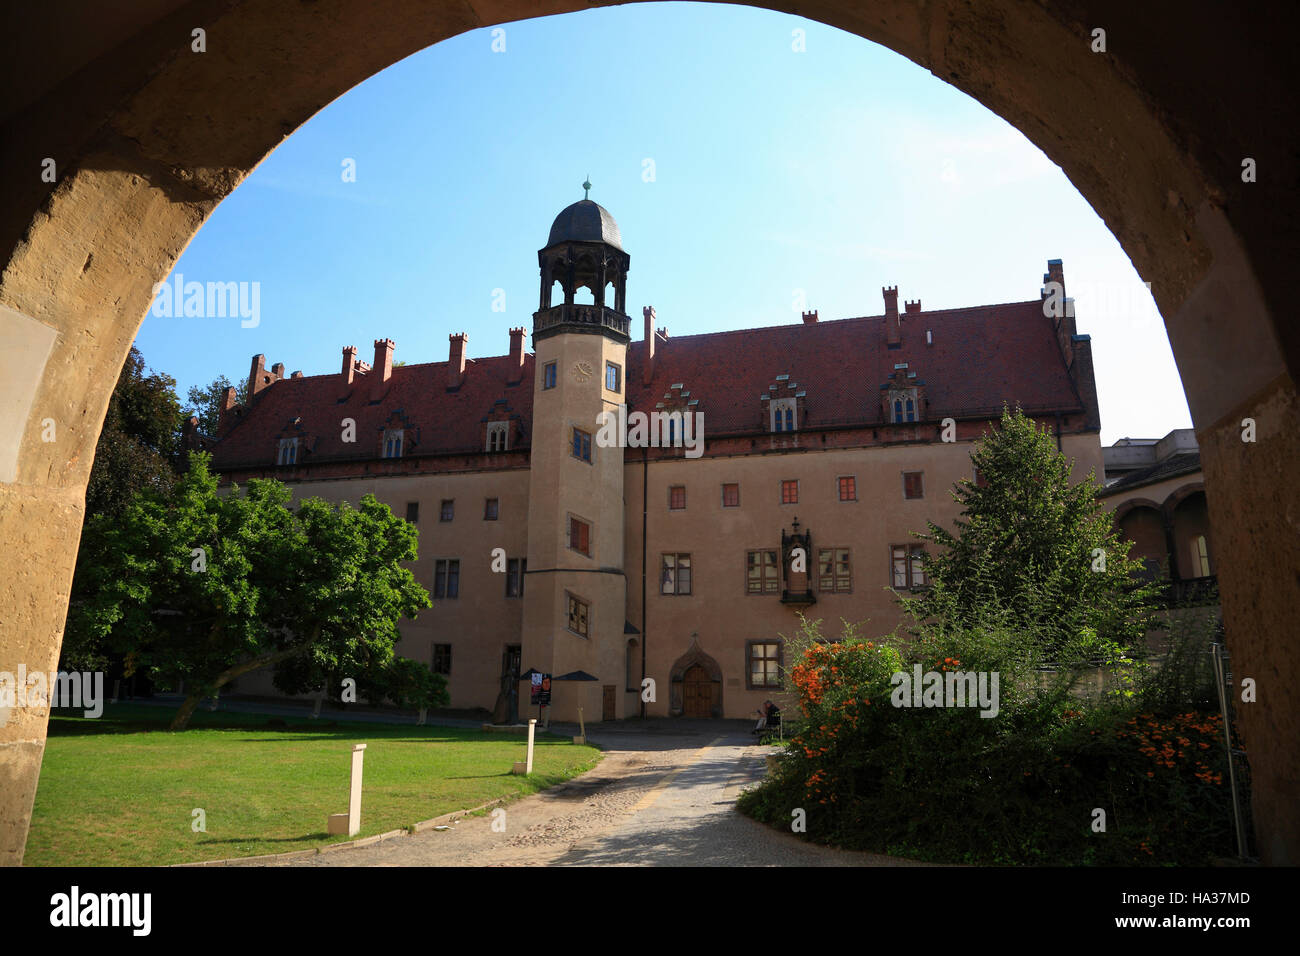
x,y
225,416
189,440
257,377
1059,309
349,363
893,326
913,306
383,366
516,366
296,375
278,371
456,359
810,318
648,365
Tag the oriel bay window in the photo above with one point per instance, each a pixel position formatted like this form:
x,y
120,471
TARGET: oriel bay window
x,y
907,563
761,575
675,574
834,573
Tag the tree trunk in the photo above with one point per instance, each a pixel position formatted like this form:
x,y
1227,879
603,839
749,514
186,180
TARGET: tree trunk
x,y
182,718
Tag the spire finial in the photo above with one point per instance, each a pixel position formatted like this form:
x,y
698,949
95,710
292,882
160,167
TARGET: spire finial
x,y
586,186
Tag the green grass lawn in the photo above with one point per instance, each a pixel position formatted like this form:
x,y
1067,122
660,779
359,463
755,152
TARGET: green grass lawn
x,y
120,790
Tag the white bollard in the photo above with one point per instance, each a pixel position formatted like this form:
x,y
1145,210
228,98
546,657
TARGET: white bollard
x,y
526,767
352,819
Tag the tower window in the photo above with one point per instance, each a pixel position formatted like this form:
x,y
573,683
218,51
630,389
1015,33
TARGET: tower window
x,y
413,512
548,375
578,614
790,492
448,510
848,488
581,445
490,509
731,496
579,536
442,658
613,377
913,486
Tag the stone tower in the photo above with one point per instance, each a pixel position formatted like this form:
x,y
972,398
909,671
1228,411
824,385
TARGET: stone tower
x,y
575,599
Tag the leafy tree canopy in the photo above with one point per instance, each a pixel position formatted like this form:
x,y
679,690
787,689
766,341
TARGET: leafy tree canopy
x,y
204,402
1031,550
190,584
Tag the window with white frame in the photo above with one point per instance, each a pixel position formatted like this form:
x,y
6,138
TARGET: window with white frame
x,y
498,436
288,453
393,443
784,414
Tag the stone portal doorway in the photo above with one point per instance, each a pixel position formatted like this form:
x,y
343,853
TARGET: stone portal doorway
x,y
696,682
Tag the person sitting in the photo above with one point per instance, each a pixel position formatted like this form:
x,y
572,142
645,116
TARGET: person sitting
x,y
769,717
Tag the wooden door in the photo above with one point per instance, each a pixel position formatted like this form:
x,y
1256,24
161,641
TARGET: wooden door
x,y
607,704
697,693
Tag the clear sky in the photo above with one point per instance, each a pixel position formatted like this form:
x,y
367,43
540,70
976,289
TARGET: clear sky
x,y
742,173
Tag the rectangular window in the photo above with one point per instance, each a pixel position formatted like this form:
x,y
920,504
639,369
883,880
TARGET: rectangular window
x,y
580,536
677,498
516,568
442,658
446,578
548,375
413,512
789,492
761,572
764,664
448,510
848,488
675,574
578,616
490,509
912,485
731,496
613,377
907,565
581,445
834,572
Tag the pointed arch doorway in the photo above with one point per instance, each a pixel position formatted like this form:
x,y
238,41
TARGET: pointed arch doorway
x,y
696,681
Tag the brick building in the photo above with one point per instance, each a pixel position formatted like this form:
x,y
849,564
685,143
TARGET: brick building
x,y
842,437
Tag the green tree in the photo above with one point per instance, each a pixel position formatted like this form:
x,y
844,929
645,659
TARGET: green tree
x,y
137,446
1032,551
204,402
196,586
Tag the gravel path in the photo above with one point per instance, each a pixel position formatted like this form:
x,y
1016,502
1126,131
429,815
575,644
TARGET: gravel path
x,y
664,795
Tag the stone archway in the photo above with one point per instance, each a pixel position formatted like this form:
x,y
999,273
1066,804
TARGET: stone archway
x,y
695,683
148,137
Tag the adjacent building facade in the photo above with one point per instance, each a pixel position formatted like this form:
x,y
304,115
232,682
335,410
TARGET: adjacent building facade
x,y
547,546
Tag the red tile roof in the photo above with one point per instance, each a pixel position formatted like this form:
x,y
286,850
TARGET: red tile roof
x,y
981,357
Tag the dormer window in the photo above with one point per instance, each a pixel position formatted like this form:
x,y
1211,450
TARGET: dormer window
x,y
903,404
393,443
781,414
498,436
288,452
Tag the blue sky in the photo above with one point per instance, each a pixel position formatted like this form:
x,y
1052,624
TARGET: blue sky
x,y
826,173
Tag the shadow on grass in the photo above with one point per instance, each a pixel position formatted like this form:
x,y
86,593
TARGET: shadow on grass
x,y
320,835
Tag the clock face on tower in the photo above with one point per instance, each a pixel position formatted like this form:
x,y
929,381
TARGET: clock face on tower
x,y
581,372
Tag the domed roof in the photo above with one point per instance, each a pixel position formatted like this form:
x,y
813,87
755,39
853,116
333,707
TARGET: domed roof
x,y
585,221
